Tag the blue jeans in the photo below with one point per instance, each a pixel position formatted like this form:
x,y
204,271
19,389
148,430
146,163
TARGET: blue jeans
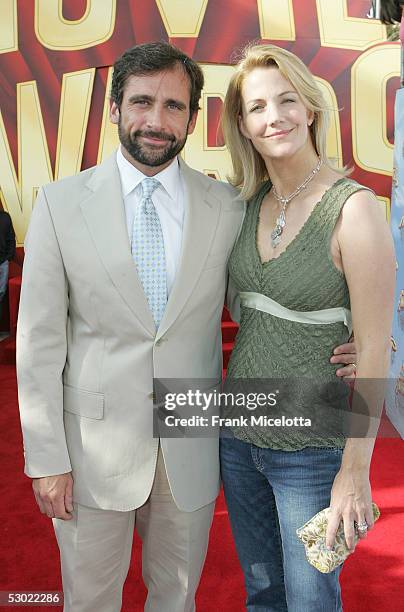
x,y
270,494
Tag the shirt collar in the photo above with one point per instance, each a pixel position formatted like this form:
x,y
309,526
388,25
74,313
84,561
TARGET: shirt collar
x,y
131,176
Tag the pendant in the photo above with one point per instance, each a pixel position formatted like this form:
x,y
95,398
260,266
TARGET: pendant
x,y
284,201
276,235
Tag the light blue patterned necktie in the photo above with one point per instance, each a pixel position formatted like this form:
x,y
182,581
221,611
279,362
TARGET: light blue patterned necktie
x,y
148,251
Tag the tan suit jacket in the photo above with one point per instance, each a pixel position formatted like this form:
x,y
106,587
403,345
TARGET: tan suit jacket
x,y
87,348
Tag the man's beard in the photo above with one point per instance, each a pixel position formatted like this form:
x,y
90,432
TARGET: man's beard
x,y
145,155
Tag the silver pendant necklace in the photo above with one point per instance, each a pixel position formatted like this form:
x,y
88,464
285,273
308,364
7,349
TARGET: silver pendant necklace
x,y
284,201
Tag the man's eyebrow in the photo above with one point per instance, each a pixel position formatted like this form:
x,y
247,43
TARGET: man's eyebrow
x,y
138,97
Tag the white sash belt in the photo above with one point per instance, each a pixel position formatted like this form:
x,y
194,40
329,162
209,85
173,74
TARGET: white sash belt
x,y
261,302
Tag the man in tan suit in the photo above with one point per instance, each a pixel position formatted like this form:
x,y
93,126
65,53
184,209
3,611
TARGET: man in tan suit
x,y
89,347
93,333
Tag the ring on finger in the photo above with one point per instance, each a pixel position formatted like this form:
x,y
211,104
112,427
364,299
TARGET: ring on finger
x,y
362,527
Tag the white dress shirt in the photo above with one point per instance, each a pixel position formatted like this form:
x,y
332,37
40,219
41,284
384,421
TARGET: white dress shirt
x,y
169,202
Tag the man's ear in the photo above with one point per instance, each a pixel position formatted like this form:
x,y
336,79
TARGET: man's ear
x,y
192,122
114,112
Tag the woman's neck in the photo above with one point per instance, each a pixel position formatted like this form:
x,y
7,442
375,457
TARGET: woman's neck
x,y
287,174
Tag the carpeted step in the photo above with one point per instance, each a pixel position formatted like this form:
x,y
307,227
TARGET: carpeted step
x,y
229,331
227,349
7,351
226,315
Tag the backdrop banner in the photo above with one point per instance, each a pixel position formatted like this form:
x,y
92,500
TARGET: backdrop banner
x,y
55,73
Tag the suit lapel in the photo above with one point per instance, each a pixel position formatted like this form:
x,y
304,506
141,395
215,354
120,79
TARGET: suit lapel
x,y
202,211
104,214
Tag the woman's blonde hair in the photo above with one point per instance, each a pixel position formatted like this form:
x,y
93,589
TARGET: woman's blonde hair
x,y
248,165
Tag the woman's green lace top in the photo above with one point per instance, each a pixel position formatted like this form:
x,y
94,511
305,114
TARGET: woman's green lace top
x,y
302,278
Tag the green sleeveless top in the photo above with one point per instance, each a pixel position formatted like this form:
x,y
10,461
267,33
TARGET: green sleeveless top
x,y
302,278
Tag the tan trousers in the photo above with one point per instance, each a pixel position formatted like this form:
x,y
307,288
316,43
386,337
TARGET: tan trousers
x,y
95,550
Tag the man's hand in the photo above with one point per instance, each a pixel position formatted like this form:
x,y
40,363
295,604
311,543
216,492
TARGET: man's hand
x,y
54,495
345,354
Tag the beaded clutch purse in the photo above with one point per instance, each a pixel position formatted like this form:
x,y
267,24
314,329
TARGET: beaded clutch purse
x,y
312,534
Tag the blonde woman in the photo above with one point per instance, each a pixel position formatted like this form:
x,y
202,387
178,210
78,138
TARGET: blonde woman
x,y
312,240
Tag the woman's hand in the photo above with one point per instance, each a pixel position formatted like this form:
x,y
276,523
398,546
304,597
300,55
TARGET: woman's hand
x,y
351,502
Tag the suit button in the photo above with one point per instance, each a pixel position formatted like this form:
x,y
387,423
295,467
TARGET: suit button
x,y
160,341
151,395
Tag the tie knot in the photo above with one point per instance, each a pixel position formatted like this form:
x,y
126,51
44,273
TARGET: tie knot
x,y
149,185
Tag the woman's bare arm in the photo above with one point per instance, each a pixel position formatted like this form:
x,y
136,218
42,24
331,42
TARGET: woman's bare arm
x,y
368,259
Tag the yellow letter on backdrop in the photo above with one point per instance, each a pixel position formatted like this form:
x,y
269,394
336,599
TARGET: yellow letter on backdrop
x,y
211,160
343,32
34,168
182,18
109,131
75,101
370,73
18,193
385,206
277,21
334,146
9,188
8,26
55,32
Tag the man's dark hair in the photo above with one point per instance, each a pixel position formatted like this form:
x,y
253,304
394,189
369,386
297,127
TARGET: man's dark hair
x,y
151,58
390,11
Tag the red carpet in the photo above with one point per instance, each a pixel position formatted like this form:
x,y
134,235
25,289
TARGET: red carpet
x,y
373,578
